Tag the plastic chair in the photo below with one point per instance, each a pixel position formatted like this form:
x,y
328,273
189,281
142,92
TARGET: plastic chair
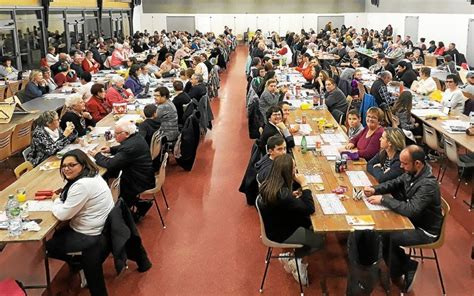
x,y
159,181
435,245
451,151
155,144
115,187
271,244
22,168
430,137
5,144
21,137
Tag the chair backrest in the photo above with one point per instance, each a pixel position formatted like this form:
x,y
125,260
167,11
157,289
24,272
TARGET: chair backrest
x,y
439,86
5,144
12,89
3,91
24,82
445,209
265,240
26,152
22,168
156,143
21,137
451,149
430,137
160,179
115,187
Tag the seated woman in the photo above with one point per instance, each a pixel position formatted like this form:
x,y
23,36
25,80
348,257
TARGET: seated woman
x,y
306,67
166,114
386,164
117,93
286,217
76,114
36,87
89,64
285,108
48,138
367,142
402,109
85,202
7,71
257,80
356,80
133,82
65,75
168,64
452,96
275,126
96,105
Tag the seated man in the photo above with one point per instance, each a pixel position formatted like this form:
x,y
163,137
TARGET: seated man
x,y
275,126
416,195
180,100
276,146
198,88
133,158
166,114
405,74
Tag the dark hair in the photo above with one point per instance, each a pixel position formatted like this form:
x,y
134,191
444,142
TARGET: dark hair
x,y
281,176
89,169
189,72
149,58
5,59
44,69
178,85
416,153
95,89
163,91
275,140
454,77
133,70
150,110
426,71
272,110
440,44
422,39
354,112
86,76
448,58
168,55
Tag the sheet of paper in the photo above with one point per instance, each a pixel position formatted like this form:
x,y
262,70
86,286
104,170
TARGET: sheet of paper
x,y
146,101
314,179
84,148
426,112
334,138
305,129
129,117
310,140
331,204
40,205
374,207
329,150
358,178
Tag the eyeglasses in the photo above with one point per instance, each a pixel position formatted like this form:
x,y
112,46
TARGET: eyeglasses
x,y
449,81
69,165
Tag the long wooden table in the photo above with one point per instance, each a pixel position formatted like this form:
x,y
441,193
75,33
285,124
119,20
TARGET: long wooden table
x,y
385,221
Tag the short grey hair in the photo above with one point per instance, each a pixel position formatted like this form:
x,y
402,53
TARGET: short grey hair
x,y
73,100
116,79
199,78
127,126
385,74
46,118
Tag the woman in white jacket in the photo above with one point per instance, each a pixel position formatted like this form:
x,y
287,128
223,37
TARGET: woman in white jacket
x,y
286,53
426,84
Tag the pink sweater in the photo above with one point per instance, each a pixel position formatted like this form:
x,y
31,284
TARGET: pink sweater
x,y
368,147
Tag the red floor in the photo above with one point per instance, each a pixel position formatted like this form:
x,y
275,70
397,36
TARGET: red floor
x,y
211,245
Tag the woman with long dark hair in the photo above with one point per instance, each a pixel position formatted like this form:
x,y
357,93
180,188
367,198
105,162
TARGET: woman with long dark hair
x,y
85,201
286,214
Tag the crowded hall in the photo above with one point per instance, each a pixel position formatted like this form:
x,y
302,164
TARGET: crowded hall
x,y
147,146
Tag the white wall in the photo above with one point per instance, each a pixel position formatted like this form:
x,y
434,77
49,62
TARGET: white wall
x,y
137,23
439,27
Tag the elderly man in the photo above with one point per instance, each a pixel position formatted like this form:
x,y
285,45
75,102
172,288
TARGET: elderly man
x,y
416,195
198,89
380,92
133,158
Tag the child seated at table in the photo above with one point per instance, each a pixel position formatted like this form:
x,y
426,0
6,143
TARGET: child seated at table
x,y
355,126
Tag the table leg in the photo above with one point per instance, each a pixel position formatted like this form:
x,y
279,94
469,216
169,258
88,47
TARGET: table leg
x,y
46,268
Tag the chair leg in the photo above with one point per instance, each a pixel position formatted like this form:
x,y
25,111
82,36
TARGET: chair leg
x,y
299,276
269,255
164,197
459,182
267,258
421,253
439,272
444,172
159,212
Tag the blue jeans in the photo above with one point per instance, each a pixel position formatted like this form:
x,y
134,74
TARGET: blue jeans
x,y
400,261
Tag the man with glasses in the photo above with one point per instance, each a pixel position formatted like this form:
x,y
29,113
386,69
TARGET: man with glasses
x,y
133,158
275,126
452,96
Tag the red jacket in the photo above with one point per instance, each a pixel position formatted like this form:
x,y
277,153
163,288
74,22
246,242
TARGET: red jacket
x,y
62,78
90,67
97,108
113,96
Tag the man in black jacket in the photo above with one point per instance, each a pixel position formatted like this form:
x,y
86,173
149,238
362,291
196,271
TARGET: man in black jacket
x,y
133,158
150,125
416,195
380,92
198,89
276,146
405,74
180,100
275,126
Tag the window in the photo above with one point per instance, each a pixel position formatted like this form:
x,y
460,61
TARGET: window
x,y
30,38
56,31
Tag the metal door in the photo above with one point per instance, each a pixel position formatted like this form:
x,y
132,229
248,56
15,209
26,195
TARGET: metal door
x,y
470,43
411,28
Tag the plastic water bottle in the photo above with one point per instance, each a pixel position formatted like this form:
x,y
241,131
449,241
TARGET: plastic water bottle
x,y
15,225
304,145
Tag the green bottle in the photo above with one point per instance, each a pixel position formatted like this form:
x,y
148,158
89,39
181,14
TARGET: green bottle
x,y
304,145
